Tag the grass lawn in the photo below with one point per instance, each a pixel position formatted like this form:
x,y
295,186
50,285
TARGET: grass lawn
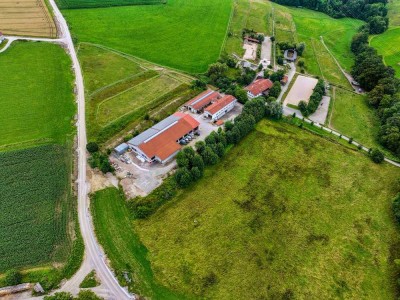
x,y
387,45
186,35
263,224
121,90
37,99
35,183
254,15
393,13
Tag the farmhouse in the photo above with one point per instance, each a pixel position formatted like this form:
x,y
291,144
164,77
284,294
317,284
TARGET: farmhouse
x,y
197,104
258,88
161,142
220,107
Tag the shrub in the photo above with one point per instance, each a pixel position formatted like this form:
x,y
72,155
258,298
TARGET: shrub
x,y
92,147
396,208
377,156
12,277
351,140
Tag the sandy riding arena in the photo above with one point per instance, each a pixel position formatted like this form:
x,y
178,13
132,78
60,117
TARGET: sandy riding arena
x,y
301,90
26,18
250,51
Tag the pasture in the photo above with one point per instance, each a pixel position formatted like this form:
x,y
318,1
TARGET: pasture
x,y
37,99
266,225
35,206
185,35
387,45
105,3
122,91
26,18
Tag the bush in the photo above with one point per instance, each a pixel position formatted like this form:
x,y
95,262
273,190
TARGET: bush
x,y
13,277
377,156
92,147
183,177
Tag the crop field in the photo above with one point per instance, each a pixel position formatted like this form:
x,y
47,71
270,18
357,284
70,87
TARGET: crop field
x,y
254,15
27,18
35,200
122,90
163,34
266,226
387,45
37,95
105,3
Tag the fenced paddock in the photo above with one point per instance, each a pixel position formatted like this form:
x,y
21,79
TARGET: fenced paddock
x,y
105,3
26,18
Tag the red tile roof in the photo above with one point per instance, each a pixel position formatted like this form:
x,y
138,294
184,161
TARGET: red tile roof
x,y
220,104
252,39
259,86
164,144
285,79
203,99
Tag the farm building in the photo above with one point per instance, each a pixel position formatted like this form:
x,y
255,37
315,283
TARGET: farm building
x,y
121,149
197,104
220,107
161,142
258,88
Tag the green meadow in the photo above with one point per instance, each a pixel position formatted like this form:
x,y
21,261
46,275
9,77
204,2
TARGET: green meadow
x,y
37,102
185,35
277,218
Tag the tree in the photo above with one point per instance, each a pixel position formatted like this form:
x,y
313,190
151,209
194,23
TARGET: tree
x,y
359,41
303,108
196,173
277,76
300,48
182,160
272,38
87,295
183,177
200,146
301,63
378,24
220,150
13,277
377,156
209,156
275,90
198,84
241,95
228,125
197,162
92,147
274,110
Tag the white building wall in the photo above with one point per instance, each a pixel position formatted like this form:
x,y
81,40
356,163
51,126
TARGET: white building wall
x,y
222,111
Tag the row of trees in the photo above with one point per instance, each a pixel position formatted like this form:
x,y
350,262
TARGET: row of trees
x,y
382,86
315,99
98,159
374,12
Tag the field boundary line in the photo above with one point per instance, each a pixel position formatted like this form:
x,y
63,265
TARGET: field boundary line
x,y
115,83
141,59
227,28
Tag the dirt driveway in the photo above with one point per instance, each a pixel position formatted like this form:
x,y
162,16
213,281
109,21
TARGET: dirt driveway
x,y
301,90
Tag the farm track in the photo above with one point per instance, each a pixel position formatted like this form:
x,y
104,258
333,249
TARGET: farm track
x,y
94,256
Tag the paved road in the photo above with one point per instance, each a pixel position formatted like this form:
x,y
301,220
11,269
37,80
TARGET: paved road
x,y
94,257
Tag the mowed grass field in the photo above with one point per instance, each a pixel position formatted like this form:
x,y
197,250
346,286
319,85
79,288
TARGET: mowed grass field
x,y
186,35
387,45
263,224
35,199
123,91
388,42
37,96
27,18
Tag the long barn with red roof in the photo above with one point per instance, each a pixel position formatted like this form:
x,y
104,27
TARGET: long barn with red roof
x,y
162,141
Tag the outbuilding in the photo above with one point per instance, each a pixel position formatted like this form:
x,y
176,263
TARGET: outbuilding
x,y
121,149
197,104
